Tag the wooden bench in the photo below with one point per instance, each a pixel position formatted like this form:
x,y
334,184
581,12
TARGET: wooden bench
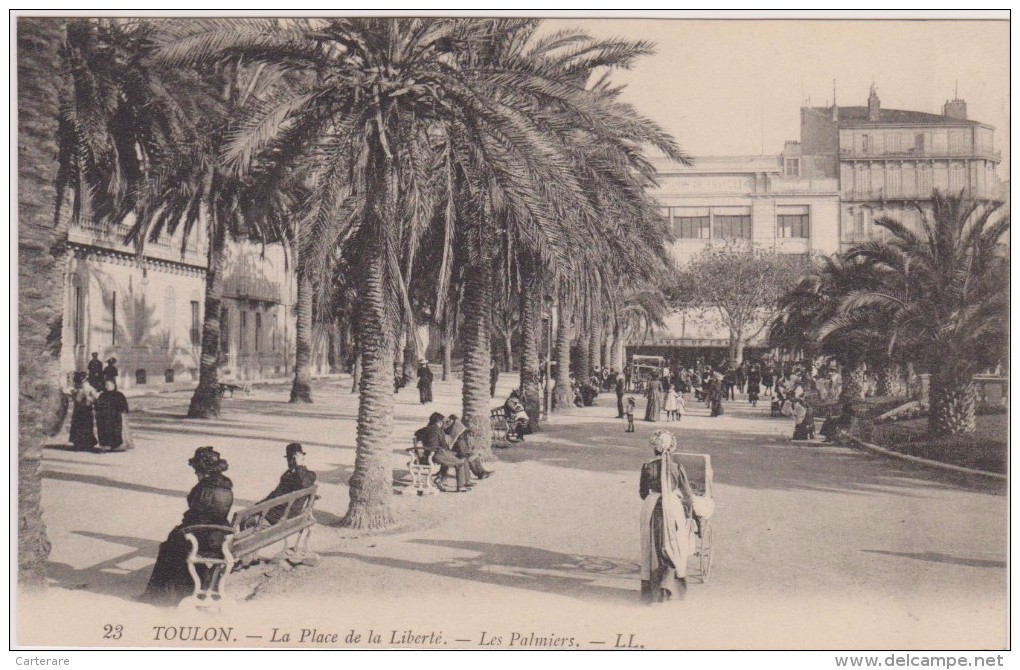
x,y
422,468
259,526
227,387
502,432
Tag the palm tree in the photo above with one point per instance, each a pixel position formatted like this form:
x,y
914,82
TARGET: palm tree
x,y
41,246
942,292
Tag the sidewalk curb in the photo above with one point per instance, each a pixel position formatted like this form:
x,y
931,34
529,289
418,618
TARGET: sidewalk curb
x,y
924,461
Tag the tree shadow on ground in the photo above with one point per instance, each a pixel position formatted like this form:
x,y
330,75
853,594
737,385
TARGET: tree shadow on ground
x,y
106,482
742,456
524,568
936,557
109,577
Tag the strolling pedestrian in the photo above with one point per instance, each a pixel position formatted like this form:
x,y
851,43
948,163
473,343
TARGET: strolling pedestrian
x,y
110,372
95,372
665,541
631,407
424,381
83,421
110,408
493,378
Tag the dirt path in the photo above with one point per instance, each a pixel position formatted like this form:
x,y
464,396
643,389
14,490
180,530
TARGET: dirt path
x,y
816,546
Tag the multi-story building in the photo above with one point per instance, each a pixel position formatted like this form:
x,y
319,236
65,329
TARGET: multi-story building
x,y
761,200
888,159
822,194
147,310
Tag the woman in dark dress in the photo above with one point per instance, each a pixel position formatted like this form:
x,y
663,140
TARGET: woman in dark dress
x,y
655,401
208,503
111,406
83,424
664,533
715,396
753,386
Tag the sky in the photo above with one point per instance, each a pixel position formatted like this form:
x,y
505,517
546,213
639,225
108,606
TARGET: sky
x,y
736,87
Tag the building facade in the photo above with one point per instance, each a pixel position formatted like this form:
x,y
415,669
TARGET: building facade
x,y
822,194
147,310
888,159
760,200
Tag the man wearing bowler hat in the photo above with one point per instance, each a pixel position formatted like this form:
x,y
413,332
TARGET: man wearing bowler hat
x,y
296,477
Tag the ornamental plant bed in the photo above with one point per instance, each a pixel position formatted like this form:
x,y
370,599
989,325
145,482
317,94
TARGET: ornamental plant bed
x,y
985,449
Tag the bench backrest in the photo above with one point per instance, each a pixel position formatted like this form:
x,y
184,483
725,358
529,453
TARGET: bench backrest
x,y
292,508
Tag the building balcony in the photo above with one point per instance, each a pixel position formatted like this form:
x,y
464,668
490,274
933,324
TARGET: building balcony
x,y
167,248
883,195
922,154
252,288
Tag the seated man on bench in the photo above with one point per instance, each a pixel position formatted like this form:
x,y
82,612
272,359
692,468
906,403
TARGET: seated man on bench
x,y
296,477
433,438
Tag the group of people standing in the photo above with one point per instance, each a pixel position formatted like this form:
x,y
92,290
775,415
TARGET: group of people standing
x,y
98,409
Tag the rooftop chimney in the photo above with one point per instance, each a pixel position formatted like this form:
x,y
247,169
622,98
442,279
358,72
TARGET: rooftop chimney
x,y
873,105
955,109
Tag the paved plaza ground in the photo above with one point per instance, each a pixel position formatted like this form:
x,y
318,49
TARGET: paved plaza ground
x,y
816,546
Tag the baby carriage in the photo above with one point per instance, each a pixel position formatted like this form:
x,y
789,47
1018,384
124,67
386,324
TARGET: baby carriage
x,y
699,474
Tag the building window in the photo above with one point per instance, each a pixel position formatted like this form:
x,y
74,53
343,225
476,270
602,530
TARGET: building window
x,y
113,319
957,180
919,143
957,142
242,337
893,181
692,224
859,223
793,222
196,324
225,330
866,144
258,331
79,315
731,226
893,140
791,167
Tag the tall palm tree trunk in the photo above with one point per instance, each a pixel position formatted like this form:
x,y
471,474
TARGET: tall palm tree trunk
x,y
301,389
475,336
583,360
371,484
619,346
41,245
562,390
447,356
531,328
595,347
953,401
205,403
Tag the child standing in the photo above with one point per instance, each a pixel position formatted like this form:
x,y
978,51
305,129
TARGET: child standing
x,y
631,404
681,406
671,406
